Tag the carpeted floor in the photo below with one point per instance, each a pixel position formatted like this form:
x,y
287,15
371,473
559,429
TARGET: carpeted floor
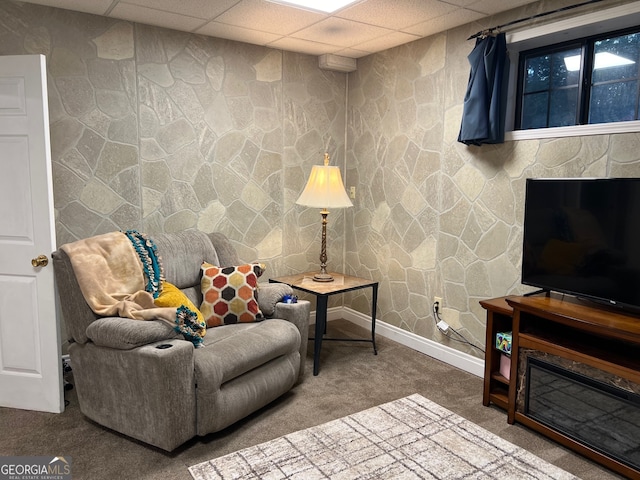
x,y
411,437
351,379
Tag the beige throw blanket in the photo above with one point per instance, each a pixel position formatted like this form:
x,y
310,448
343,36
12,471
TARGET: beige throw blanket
x,y
112,280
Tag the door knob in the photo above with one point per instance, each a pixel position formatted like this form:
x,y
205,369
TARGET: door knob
x,y
40,261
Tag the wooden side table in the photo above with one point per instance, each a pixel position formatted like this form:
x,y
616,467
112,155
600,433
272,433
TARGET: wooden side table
x,y
322,290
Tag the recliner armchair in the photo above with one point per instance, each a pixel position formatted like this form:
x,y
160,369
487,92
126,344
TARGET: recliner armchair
x,y
144,380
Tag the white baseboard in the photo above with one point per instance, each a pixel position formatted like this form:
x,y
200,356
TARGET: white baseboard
x,y
441,352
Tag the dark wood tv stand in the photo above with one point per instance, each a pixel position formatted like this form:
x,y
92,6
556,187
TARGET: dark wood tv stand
x,y
565,327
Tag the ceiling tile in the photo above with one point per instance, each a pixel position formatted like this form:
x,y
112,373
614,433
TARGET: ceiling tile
x,y
303,46
445,22
352,53
463,3
491,7
149,16
269,17
241,34
397,14
340,32
97,7
388,41
194,8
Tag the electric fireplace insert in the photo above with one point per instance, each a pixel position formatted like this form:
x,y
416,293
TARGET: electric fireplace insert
x,y
601,416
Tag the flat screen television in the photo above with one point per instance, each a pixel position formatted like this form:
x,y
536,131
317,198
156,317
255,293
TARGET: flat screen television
x,y
582,237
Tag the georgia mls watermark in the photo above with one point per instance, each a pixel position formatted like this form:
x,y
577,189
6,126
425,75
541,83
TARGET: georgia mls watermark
x,y
35,468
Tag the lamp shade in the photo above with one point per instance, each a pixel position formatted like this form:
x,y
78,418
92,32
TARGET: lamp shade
x,y
324,189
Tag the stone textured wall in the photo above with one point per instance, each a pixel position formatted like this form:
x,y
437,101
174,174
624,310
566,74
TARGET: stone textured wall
x,y
163,131
435,217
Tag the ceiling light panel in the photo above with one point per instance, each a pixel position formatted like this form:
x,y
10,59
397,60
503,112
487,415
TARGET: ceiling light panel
x,y
326,6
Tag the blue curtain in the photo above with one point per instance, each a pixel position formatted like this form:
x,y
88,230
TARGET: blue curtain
x,y
486,98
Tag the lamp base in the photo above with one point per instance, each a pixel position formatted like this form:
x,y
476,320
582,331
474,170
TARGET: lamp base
x,y
322,277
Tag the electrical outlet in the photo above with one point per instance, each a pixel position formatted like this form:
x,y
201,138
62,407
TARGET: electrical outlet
x,y
352,192
440,303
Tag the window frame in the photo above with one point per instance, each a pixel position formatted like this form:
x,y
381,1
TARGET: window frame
x,y
569,29
548,50
585,81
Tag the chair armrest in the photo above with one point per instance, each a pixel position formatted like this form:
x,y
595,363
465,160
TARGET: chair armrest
x,y
76,313
126,333
269,294
147,392
298,314
269,300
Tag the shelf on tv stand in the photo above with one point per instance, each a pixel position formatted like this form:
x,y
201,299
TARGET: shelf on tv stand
x,y
499,319
584,315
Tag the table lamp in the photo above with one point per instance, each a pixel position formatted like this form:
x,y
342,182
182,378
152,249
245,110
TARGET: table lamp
x,y
324,190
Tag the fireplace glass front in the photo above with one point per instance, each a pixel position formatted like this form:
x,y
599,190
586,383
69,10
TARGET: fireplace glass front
x,y
603,417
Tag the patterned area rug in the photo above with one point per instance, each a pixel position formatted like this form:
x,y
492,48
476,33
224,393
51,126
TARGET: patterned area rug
x,y
405,439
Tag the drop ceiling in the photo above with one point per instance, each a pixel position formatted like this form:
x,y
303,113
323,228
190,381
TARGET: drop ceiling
x,y
362,28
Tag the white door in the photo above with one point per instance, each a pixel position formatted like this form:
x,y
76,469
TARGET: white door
x,y
30,353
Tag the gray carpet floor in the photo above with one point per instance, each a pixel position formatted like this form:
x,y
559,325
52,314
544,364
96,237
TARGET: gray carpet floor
x,y
351,379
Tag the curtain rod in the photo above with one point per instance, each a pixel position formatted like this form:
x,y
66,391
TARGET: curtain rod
x,y
489,31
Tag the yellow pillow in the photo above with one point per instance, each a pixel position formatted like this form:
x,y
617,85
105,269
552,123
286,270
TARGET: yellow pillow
x,y
172,296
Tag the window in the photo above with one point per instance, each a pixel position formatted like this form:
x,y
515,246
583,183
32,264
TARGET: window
x,y
586,81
